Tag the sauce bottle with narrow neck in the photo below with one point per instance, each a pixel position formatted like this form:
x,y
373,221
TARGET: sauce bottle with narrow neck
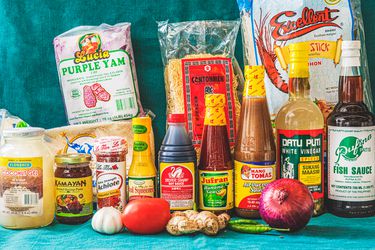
x,y
177,165
300,128
351,143
255,150
142,172
215,165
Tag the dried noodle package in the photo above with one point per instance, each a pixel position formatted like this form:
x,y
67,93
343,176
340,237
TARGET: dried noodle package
x,y
199,59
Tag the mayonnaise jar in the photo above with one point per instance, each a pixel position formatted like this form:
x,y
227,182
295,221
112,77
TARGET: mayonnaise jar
x,y
26,180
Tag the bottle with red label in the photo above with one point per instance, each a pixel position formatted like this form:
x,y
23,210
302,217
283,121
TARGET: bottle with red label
x,y
177,165
300,127
255,150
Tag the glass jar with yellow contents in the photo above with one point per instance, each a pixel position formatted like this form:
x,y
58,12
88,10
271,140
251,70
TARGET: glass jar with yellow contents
x,y
73,188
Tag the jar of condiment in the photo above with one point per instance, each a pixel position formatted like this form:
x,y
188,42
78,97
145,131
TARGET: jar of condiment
x,y
110,155
73,188
26,180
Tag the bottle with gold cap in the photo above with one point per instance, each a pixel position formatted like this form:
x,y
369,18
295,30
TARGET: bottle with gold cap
x,y
142,172
215,165
300,128
255,150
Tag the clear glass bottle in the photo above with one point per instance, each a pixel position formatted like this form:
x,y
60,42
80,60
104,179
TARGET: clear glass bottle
x,y
351,143
300,128
26,180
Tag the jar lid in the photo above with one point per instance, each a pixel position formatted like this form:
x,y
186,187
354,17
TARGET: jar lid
x,y
110,144
72,158
23,132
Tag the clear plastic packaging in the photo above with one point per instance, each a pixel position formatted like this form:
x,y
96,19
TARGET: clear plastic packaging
x,y
199,59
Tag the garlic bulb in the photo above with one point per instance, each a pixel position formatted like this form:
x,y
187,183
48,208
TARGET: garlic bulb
x,y
107,221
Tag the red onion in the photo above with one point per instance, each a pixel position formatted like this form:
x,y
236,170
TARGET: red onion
x,y
286,203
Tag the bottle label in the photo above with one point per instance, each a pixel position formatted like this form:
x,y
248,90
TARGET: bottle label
x,y
110,182
250,179
177,184
21,186
213,75
351,163
300,156
216,190
73,196
141,187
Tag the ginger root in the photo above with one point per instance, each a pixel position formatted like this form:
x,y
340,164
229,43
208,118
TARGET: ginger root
x,y
191,221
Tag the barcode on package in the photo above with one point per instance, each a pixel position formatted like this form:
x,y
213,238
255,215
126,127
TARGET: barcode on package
x,y
30,199
124,104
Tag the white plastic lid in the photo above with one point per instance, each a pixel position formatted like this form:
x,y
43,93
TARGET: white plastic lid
x,y
23,132
351,53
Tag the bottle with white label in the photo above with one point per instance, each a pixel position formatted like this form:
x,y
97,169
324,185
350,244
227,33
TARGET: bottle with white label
x,y
351,143
177,165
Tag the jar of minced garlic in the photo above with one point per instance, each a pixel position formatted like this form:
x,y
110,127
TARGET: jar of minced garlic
x,y
26,180
73,188
110,153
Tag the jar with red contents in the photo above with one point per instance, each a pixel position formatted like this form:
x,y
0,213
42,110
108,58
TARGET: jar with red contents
x,y
110,155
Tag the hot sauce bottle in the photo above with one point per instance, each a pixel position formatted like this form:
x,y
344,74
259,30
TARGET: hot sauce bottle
x,y
142,172
255,150
351,143
215,165
300,125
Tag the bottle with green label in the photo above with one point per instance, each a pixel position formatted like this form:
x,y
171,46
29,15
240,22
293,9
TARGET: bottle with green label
x,y
215,165
351,143
300,128
142,172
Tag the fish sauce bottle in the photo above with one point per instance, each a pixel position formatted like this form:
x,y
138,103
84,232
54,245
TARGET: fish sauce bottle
x,y
215,164
300,128
177,165
351,143
142,172
255,150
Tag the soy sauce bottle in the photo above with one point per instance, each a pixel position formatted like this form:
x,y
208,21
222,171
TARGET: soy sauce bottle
x,y
351,143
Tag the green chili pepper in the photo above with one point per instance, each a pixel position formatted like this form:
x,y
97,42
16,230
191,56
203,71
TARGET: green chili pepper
x,y
253,229
243,221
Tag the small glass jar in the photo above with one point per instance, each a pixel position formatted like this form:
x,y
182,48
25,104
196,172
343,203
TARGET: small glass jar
x,y
110,153
26,180
73,188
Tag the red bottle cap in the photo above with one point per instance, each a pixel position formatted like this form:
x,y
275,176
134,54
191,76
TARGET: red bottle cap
x,y
176,118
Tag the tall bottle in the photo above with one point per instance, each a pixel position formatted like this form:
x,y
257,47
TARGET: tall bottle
x,y
142,172
177,165
255,150
300,125
351,143
215,165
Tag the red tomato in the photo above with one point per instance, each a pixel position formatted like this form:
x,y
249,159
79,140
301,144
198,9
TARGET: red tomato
x,y
146,216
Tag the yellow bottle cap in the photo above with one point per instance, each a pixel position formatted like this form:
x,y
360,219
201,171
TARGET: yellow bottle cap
x,y
254,85
141,125
299,60
215,100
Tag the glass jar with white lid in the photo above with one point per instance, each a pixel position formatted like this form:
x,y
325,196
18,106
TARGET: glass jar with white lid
x,y
26,179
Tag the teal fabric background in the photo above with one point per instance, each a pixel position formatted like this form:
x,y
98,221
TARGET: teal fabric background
x,y
29,85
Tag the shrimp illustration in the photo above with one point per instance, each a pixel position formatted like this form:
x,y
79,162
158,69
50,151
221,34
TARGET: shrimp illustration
x,y
266,53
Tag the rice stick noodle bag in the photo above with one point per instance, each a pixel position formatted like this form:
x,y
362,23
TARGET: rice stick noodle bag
x,y
198,59
268,27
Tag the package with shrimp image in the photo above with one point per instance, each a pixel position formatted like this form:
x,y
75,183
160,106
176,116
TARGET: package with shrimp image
x,y
268,27
97,73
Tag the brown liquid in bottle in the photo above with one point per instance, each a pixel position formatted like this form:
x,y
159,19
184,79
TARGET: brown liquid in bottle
x,y
255,150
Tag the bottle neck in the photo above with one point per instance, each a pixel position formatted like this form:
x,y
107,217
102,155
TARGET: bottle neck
x,y
299,88
215,116
350,85
141,146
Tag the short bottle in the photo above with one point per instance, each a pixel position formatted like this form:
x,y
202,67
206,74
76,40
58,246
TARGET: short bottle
x,y
351,143
142,172
177,166
300,129
255,150
215,164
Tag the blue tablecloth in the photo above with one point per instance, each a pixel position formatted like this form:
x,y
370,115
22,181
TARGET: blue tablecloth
x,y
324,232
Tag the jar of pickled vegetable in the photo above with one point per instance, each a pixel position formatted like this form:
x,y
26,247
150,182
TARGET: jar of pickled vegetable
x,y
73,188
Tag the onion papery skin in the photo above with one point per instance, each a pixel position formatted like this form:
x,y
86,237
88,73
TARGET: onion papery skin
x,y
287,204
